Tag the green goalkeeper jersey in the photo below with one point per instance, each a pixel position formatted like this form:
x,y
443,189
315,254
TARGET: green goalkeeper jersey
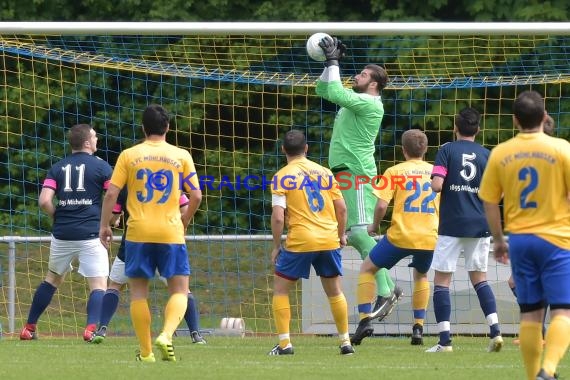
x,y
355,129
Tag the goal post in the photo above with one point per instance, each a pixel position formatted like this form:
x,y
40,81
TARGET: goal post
x,y
233,89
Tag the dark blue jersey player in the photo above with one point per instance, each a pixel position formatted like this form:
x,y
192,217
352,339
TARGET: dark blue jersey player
x,y
77,183
463,228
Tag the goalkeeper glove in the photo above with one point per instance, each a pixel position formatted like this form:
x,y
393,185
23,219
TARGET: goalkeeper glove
x,y
334,50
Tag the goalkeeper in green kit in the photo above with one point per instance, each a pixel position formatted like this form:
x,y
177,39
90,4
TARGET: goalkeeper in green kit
x,y
351,154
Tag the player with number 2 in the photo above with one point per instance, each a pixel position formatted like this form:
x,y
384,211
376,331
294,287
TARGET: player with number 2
x,y
531,173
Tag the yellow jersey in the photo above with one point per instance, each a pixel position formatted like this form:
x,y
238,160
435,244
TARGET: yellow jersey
x,y
415,212
531,172
310,217
156,173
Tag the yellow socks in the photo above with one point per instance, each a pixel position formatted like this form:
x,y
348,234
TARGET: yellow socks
x,y
140,316
339,310
420,300
530,336
174,312
366,291
557,340
282,315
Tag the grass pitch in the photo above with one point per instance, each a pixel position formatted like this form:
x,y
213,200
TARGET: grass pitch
x,y
237,358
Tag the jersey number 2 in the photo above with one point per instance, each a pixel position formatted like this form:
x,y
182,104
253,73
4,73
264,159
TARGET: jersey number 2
x,y
528,172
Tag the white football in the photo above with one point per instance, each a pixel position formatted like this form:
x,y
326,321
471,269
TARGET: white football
x,y
313,49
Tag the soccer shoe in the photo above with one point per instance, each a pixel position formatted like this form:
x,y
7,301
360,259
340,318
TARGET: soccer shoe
x,y
166,348
346,349
495,344
363,330
417,335
27,334
439,348
542,375
197,338
89,333
145,359
99,335
385,305
277,350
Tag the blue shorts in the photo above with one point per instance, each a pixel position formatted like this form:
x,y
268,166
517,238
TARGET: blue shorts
x,y
143,259
386,255
541,271
294,265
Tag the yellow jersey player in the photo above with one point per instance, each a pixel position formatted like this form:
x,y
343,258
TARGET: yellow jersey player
x,y
155,174
306,198
412,232
531,173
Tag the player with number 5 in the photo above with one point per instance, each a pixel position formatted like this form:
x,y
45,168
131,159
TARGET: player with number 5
x,y
531,173
463,228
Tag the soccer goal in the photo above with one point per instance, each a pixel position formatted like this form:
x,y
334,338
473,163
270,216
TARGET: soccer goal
x,y
233,89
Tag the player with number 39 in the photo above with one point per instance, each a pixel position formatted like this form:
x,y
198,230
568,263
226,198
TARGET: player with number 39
x,y
155,174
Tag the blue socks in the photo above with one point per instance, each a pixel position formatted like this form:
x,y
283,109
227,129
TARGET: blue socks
x,y
442,309
191,315
489,307
94,306
42,298
109,306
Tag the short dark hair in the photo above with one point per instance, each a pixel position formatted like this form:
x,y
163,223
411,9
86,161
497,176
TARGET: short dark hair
x,y
294,142
528,108
467,122
414,143
78,134
155,120
379,75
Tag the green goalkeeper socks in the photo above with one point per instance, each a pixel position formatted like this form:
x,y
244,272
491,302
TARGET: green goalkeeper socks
x,y
363,243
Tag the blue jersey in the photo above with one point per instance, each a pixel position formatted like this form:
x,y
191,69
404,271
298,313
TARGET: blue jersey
x,y
461,165
78,181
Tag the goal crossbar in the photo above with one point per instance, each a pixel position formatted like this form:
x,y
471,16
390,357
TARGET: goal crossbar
x,y
285,28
